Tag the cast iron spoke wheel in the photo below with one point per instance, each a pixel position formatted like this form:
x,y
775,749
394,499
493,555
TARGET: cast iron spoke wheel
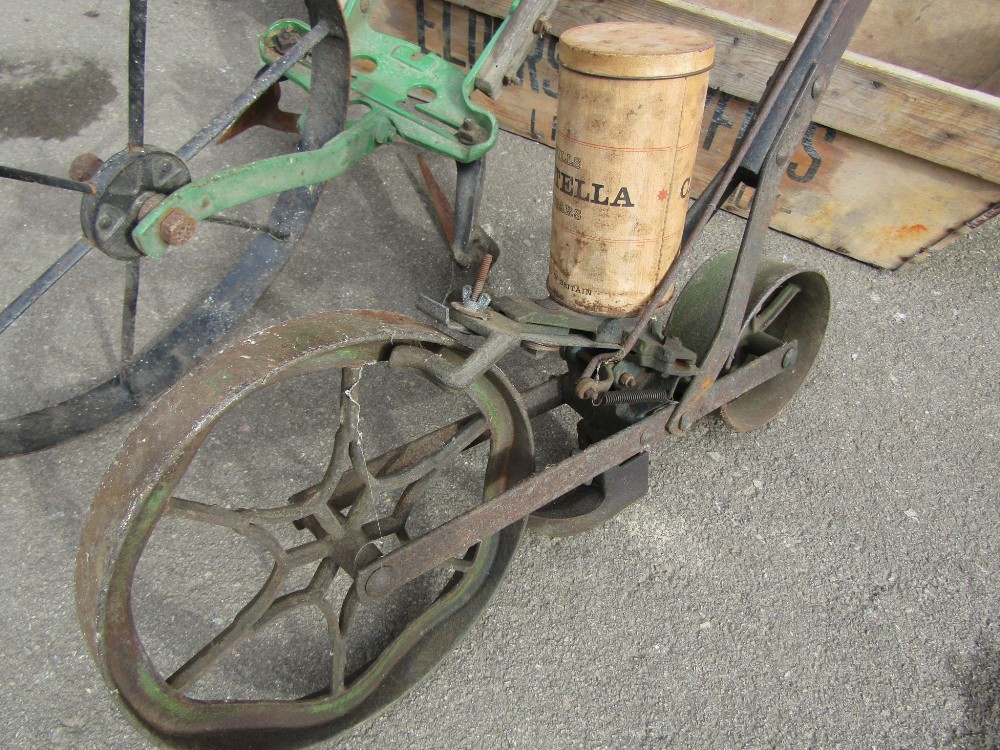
x,y
117,192
225,612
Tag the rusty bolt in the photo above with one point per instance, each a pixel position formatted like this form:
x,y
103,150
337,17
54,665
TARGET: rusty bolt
x,y
285,39
541,26
626,380
470,133
789,359
85,166
177,226
379,583
819,86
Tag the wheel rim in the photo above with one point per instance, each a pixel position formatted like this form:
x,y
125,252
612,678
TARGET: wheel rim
x,y
141,376
792,305
138,496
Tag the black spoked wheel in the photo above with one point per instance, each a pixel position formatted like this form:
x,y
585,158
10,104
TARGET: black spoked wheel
x,y
216,575
150,332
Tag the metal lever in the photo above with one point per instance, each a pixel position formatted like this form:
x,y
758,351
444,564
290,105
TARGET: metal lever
x,y
468,195
780,124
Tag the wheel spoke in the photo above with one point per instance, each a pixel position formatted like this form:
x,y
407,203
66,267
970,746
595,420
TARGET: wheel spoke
x,y
129,307
23,175
232,221
237,521
409,497
338,645
368,500
403,458
267,78
266,605
763,320
346,435
459,564
395,523
349,608
242,627
323,577
136,72
43,283
447,453
382,527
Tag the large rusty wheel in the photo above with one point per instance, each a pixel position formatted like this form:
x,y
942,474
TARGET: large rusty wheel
x,y
215,580
150,333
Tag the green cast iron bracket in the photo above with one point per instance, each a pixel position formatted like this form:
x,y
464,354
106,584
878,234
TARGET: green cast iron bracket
x,y
417,96
428,99
216,193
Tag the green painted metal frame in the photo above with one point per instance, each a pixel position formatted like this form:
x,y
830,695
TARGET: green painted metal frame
x,y
392,78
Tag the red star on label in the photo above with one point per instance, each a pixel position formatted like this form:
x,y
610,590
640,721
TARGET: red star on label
x,y
662,195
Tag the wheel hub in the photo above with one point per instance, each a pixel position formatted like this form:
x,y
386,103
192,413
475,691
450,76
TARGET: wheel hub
x,y
125,183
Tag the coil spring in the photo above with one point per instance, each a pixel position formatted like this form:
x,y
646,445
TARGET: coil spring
x,y
650,396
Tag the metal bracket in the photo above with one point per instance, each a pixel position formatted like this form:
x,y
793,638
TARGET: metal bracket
x,y
590,505
740,381
490,322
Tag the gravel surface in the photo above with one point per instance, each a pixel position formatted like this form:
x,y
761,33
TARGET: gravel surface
x,y
827,581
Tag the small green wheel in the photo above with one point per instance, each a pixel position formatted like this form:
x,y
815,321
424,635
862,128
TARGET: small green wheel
x,y
786,303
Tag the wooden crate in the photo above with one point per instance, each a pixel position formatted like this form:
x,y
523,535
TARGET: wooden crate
x,y
898,164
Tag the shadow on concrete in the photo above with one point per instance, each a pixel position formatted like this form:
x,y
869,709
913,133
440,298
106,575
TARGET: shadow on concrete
x,y
980,690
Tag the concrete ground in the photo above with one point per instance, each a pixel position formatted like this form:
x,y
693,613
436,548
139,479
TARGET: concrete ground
x,y
828,581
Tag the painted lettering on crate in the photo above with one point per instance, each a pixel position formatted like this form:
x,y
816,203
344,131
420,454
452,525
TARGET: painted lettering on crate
x,y
802,173
797,170
479,30
551,135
